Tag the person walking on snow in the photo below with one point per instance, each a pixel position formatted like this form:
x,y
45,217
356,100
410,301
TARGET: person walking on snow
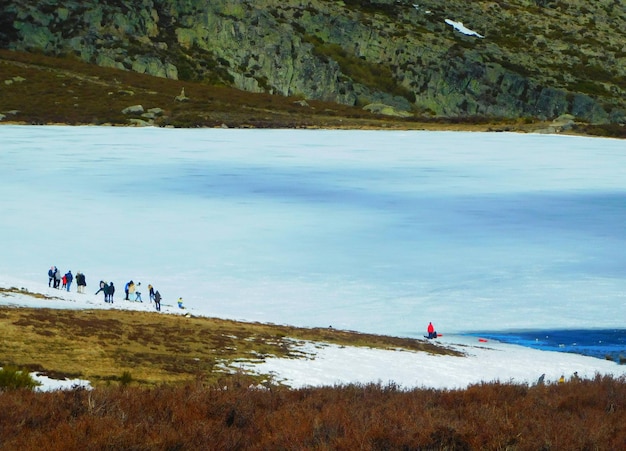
x,y
80,282
151,292
180,303
68,280
157,301
102,285
137,293
109,290
57,277
106,290
130,291
126,289
51,274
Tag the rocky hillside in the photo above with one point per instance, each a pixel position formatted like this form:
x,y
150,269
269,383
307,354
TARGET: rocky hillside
x,y
535,59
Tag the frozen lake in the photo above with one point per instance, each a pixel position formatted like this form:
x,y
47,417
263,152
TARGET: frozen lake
x,y
599,343
374,231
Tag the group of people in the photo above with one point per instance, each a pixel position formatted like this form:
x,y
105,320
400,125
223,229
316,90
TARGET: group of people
x,y
55,279
132,294
64,282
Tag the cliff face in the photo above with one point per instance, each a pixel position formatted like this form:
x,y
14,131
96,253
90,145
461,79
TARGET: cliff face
x,y
519,58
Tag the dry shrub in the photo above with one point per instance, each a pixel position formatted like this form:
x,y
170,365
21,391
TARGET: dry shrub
x,y
236,414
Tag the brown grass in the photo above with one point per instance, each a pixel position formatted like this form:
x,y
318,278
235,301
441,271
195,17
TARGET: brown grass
x,y
101,345
581,415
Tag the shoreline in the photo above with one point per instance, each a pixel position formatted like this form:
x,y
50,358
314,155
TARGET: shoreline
x,y
419,127
601,343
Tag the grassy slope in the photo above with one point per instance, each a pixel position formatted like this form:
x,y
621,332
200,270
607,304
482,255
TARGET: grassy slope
x,y
101,345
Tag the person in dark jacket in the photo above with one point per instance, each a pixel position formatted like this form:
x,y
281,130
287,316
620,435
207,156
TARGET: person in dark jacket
x,y
68,280
157,300
151,292
103,284
111,292
106,291
127,289
51,274
81,282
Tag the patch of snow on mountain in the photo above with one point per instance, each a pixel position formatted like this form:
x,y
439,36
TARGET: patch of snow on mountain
x,y
458,26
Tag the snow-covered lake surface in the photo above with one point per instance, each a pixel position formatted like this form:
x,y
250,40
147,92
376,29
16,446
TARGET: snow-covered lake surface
x,y
375,231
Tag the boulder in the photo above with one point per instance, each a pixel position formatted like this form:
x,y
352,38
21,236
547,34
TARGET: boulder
x,y
133,109
140,122
156,111
386,110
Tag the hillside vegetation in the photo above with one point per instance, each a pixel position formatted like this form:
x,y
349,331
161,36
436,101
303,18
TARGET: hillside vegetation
x,y
168,382
529,60
46,90
39,90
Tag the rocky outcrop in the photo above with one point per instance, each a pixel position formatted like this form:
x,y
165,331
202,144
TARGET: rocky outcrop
x,y
522,59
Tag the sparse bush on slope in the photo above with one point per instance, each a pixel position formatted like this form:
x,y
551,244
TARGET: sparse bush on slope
x,y
12,378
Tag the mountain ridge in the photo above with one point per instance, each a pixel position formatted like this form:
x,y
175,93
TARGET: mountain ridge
x,y
537,59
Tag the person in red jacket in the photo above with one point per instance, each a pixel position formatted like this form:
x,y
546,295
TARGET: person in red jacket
x,y
431,331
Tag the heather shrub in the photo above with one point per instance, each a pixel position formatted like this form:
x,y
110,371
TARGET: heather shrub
x,y
236,414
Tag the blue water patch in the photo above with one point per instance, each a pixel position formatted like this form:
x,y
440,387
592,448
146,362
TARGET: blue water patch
x,y
603,344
